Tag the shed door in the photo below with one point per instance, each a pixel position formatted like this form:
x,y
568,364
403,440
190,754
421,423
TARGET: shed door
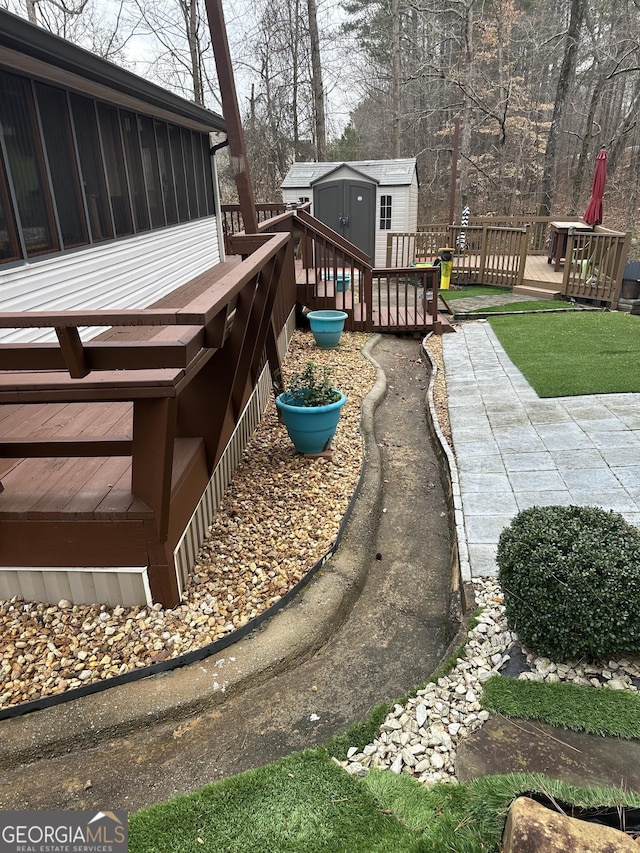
x,y
349,207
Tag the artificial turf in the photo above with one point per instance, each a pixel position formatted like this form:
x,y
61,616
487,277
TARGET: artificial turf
x,y
591,352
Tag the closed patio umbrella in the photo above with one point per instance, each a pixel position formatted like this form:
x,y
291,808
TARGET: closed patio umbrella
x,y
593,213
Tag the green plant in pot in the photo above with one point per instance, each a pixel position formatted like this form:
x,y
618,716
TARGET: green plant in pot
x,y
310,409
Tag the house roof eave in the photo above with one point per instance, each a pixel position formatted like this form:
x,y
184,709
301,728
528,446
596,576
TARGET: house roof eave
x,y
21,37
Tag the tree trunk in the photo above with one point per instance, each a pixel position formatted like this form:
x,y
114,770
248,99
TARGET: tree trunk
x,y
395,78
316,83
31,11
587,138
567,71
190,15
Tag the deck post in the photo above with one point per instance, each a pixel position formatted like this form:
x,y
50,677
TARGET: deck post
x,y
231,112
154,432
483,255
524,248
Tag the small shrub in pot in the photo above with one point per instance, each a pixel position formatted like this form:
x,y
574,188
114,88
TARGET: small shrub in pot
x,y
571,582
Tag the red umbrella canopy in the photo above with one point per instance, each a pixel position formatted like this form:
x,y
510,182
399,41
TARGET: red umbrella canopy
x,y
593,213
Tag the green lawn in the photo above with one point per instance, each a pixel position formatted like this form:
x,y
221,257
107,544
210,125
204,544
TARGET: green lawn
x,y
591,352
532,305
601,711
474,290
307,804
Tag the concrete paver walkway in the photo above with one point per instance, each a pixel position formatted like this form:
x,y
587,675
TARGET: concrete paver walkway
x,y
515,450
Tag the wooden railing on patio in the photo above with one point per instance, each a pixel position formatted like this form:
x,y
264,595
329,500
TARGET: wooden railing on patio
x,y
233,223
332,273
594,265
481,255
538,228
187,378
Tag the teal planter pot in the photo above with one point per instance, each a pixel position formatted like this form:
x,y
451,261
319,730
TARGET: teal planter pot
x,y
327,327
343,281
310,428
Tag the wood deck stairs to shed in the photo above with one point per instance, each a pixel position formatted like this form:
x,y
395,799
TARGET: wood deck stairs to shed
x,y
398,303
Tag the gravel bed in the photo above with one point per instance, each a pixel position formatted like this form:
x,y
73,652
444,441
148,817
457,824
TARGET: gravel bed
x,y
440,399
279,516
421,737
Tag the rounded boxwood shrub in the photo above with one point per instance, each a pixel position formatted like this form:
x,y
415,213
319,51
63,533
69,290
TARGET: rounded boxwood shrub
x,y
570,576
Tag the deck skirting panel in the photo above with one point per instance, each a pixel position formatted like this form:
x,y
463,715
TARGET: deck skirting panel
x,y
126,585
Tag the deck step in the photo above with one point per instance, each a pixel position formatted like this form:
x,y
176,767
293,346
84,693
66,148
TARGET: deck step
x,y
538,291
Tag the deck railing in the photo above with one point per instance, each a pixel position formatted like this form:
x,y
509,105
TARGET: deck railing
x,y
233,223
406,298
188,385
594,265
538,228
481,254
335,273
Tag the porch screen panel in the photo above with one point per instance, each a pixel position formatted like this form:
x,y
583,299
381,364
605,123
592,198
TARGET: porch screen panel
x,y
116,175
190,173
199,172
166,172
63,168
9,247
93,180
151,171
26,164
133,156
208,172
178,163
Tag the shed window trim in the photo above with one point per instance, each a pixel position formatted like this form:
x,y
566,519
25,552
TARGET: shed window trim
x,y
385,212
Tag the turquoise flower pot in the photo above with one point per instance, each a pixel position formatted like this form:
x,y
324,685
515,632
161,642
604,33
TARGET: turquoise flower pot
x,y
327,327
310,428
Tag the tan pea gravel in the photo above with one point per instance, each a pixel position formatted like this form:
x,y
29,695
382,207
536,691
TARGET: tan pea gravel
x,y
280,515
440,400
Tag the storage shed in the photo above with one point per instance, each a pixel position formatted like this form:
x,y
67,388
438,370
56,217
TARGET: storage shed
x,y
363,201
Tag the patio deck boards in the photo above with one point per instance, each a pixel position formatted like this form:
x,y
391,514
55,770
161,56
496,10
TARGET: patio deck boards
x,y
45,490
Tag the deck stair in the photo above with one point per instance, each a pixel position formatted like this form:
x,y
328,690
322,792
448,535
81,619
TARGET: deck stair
x,y
540,290
396,307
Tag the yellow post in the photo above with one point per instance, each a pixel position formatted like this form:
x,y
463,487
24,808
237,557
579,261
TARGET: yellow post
x,y
446,265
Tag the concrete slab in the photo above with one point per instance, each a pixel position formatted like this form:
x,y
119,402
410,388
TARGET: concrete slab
x,y
516,746
529,461
596,479
536,481
526,500
563,436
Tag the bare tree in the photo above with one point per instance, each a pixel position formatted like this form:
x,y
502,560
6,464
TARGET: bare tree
x,y
317,87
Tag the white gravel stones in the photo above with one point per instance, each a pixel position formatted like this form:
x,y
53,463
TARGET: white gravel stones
x,y
421,737
279,516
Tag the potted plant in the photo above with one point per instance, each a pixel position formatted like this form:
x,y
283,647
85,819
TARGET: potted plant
x,y
310,409
327,327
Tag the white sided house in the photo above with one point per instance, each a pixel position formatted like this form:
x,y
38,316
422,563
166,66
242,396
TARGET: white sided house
x,y
108,193
363,201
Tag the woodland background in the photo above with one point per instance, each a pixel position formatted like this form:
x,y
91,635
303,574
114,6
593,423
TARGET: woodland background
x,y
536,87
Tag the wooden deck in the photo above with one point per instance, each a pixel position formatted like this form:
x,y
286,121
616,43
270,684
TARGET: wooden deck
x,y
540,278
100,474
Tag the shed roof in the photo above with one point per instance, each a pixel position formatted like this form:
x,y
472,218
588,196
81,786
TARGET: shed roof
x,y
38,53
385,172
